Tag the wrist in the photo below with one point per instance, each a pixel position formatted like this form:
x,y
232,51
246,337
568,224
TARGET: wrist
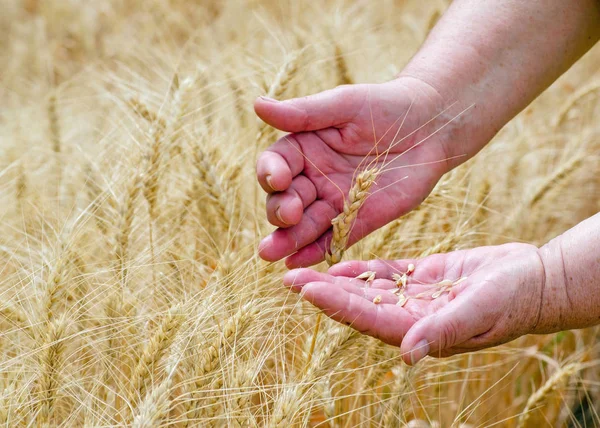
x,y
552,314
457,124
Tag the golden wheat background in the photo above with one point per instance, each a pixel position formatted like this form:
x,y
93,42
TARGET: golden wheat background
x,y
130,288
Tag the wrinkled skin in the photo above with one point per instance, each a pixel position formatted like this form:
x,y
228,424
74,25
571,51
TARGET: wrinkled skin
x,y
308,173
497,302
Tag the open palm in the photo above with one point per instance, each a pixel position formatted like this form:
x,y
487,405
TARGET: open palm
x,y
452,303
335,133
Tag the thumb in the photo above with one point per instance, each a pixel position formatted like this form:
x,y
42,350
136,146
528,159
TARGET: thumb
x,y
460,320
334,107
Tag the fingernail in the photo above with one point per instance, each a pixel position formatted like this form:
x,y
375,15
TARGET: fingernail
x,y
278,215
290,280
265,243
268,180
419,351
269,100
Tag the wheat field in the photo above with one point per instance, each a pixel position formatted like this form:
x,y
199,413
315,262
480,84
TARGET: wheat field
x,y
131,290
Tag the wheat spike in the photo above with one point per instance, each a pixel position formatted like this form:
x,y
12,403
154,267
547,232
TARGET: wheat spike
x,y
143,111
342,224
160,341
561,375
127,216
285,407
394,415
50,362
559,175
54,124
181,105
341,66
210,358
277,88
152,175
563,112
155,406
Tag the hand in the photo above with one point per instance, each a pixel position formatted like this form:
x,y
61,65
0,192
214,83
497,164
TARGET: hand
x,y
498,299
308,174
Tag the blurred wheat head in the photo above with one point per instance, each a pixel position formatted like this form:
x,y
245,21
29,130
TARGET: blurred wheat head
x,y
131,290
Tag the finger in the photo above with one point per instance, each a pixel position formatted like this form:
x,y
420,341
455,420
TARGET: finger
x,y
285,209
382,268
458,321
283,242
311,254
334,107
297,278
383,321
277,165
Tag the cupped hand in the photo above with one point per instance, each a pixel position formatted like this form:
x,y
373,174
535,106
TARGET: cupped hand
x,y
457,302
307,174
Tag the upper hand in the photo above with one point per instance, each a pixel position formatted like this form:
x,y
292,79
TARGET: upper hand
x,y
498,300
308,173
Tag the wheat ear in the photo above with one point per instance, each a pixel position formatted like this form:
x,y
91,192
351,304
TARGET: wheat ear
x,y
55,137
54,284
342,224
394,412
97,198
286,405
559,175
343,74
277,88
51,360
242,396
127,214
151,179
155,406
143,111
566,107
207,178
54,124
160,341
210,358
181,104
561,375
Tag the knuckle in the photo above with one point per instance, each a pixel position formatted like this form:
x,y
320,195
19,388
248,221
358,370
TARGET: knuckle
x,y
448,334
